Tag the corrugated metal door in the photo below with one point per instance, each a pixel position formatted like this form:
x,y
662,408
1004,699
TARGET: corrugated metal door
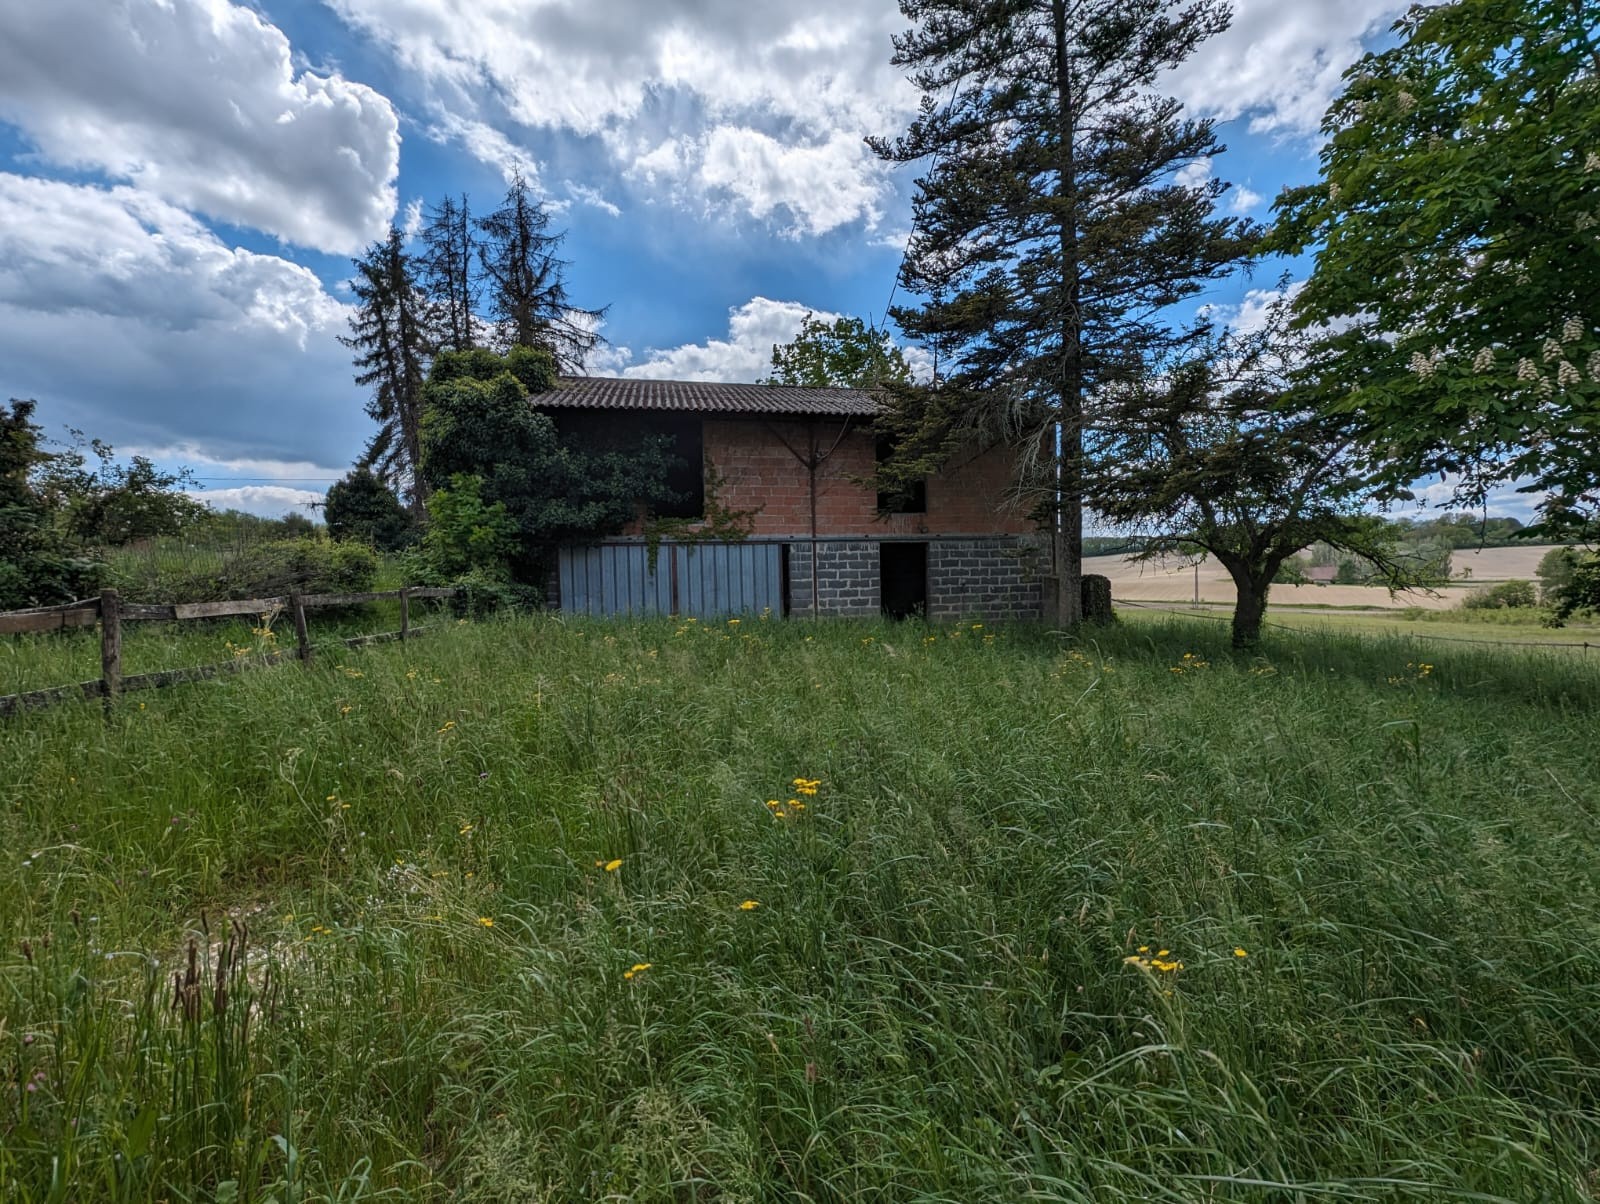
x,y
707,580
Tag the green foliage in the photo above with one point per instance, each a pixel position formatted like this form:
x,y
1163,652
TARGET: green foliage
x,y
1508,595
37,567
114,504
1221,451
1052,236
1555,572
931,1001
1461,529
391,333
843,353
362,507
1572,583
250,569
466,534
481,422
1472,142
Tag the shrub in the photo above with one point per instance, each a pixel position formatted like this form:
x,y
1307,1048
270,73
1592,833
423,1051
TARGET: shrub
x,y
266,569
362,507
1508,595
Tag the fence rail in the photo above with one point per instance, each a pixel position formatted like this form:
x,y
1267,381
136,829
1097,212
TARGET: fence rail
x,y
110,613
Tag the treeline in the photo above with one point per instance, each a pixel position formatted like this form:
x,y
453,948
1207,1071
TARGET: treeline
x,y
73,520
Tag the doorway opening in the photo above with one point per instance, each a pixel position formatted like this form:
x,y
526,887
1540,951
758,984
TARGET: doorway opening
x,y
903,577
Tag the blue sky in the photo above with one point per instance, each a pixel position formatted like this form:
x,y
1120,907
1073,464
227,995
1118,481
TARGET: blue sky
x,y
183,182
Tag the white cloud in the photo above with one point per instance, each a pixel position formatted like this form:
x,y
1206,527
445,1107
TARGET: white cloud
x,y
128,318
592,197
411,223
1244,200
488,145
745,355
269,501
762,105
1280,64
198,102
1193,173
1250,314
1506,501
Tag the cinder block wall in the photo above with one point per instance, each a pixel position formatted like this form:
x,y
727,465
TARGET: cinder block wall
x,y
997,577
984,578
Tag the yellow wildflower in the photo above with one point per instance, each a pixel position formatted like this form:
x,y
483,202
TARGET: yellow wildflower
x,y
466,829
1238,952
638,969
749,905
486,921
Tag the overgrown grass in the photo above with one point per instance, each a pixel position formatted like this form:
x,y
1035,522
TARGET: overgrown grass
x,y
62,658
1381,880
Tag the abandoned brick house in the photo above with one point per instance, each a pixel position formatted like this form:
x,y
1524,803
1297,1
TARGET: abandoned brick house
x,y
819,539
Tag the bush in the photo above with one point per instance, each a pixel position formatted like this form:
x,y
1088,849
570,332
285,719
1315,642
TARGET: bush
x,y
362,507
1508,595
266,569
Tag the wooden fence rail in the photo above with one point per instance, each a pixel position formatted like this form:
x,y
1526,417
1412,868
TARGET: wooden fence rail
x,y
110,612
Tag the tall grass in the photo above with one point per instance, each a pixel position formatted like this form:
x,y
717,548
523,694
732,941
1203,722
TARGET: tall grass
x,y
1380,876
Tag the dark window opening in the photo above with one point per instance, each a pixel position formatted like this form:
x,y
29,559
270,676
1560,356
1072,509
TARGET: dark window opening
x,y
903,574
625,431
910,499
688,477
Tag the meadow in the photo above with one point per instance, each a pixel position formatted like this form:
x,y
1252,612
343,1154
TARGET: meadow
x,y
545,909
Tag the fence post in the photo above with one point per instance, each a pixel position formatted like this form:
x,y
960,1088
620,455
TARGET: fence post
x,y
110,647
302,640
405,613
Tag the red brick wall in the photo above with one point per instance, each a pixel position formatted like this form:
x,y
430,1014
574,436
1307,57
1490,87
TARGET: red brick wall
x,y
759,473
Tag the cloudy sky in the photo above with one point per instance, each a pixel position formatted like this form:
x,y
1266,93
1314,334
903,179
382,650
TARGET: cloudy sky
x,y
183,183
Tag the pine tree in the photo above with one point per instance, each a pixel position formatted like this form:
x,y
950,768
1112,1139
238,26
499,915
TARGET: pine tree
x,y
390,333
446,273
1052,229
527,294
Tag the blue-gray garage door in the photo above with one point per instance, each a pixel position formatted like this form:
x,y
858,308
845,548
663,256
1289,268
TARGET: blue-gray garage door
x,y
706,580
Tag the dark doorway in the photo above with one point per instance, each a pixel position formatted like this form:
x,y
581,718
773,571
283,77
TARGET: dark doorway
x,y
903,570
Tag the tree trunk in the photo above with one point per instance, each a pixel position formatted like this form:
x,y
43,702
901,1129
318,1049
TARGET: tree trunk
x,y
1069,519
1250,608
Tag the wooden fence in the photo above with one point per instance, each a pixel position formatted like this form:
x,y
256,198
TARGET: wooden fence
x,y
111,612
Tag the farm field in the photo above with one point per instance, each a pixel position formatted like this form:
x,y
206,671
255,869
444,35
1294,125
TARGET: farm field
x,y
1174,581
537,909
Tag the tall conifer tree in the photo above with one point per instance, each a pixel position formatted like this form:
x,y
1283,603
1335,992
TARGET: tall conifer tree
x,y
524,279
1053,227
389,332
446,271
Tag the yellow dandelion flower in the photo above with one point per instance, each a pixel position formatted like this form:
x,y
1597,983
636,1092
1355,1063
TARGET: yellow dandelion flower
x,y
486,921
1163,952
466,829
448,724
613,865
1238,952
749,905
638,969
1144,948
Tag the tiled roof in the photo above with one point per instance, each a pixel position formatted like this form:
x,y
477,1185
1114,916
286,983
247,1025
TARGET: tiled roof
x,y
705,397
